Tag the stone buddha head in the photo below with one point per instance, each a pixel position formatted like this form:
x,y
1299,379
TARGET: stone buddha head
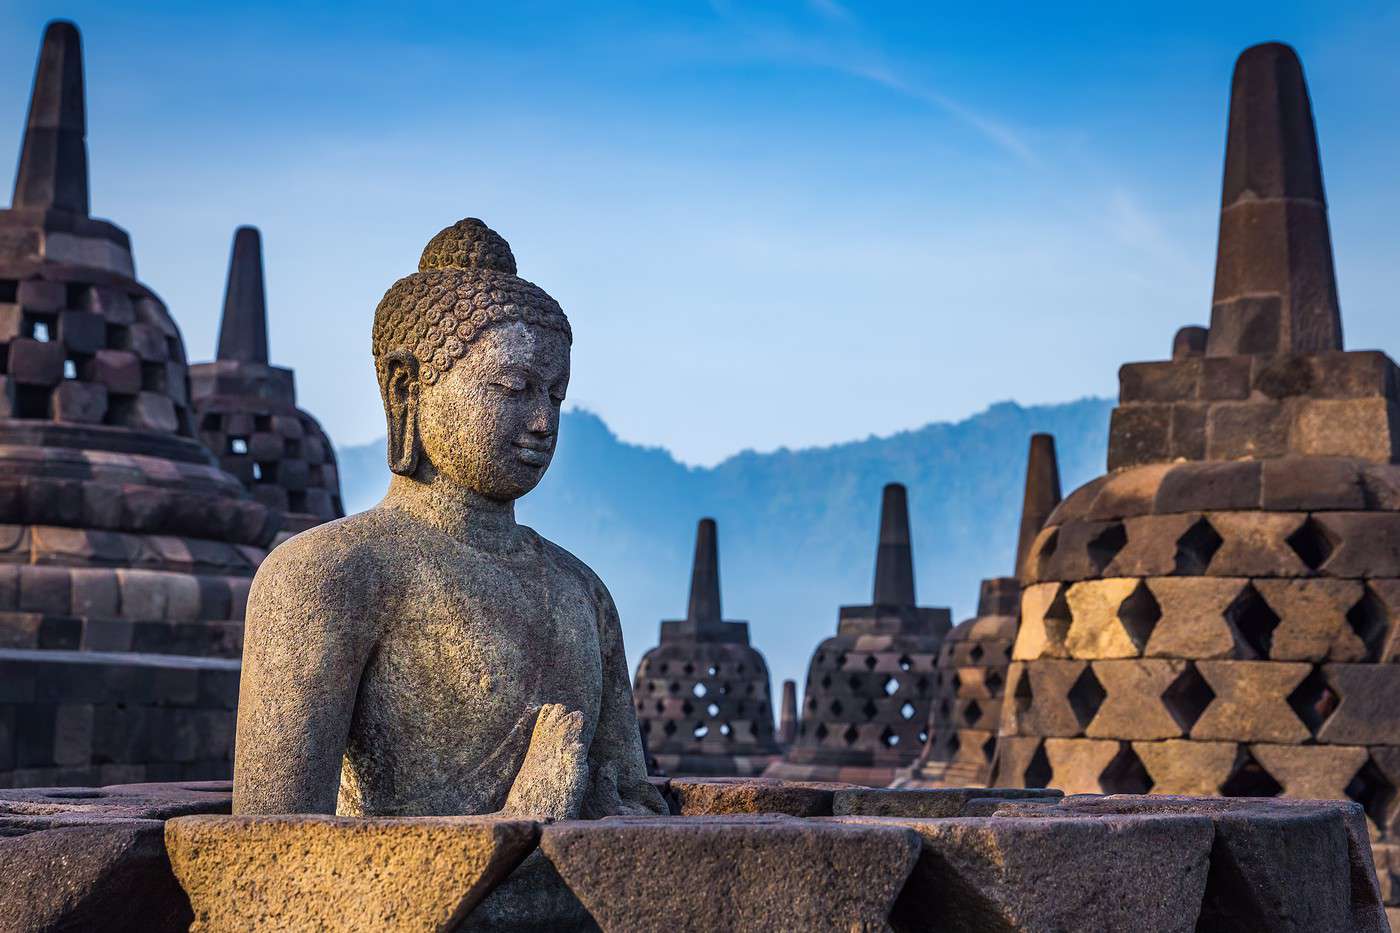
x,y
473,365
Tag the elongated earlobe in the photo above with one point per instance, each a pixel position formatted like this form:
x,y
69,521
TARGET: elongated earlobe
x,y
398,384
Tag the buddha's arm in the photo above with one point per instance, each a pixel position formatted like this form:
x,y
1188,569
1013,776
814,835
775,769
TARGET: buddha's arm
x,y
305,645
617,764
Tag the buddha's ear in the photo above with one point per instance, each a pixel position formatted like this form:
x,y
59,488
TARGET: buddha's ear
x,y
398,384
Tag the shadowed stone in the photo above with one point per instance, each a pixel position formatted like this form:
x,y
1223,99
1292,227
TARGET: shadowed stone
x,y
53,171
243,329
1041,496
734,872
894,558
339,874
1275,289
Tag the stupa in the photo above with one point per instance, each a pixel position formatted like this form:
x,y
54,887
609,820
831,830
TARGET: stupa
x,y
125,552
972,663
1217,614
866,702
702,694
246,409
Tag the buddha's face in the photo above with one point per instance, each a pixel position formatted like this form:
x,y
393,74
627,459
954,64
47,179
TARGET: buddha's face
x,y
490,422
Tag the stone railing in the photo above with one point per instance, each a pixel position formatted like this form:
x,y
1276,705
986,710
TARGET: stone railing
x,y
735,854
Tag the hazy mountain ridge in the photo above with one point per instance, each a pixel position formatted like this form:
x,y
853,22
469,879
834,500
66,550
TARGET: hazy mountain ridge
x,y
796,527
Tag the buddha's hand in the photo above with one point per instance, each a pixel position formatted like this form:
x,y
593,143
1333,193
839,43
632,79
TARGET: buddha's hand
x,y
554,777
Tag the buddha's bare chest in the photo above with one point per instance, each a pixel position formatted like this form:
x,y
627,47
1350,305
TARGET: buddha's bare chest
x,y
484,646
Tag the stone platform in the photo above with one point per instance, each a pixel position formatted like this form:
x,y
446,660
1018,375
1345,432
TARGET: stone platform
x,y
753,854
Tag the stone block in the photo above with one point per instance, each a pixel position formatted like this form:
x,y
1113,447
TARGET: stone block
x,y
118,370
929,803
81,332
1195,487
147,342
1248,430
1132,707
756,872
1126,493
1298,484
1225,378
1179,766
1274,864
1312,618
1188,430
1096,630
1045,622
88,873
1255,544
1152,548
1008,873
31,362
1251,702
143,594
731,796
80,402
1192,623
113,304
330,873
1364,428
1078,764
1173,381
1367,700
41,295
44,589
1359,544
1139,434
11,322
1316,772
1042,699
151,411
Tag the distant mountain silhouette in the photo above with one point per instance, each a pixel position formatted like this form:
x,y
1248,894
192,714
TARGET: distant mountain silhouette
x,y
796,527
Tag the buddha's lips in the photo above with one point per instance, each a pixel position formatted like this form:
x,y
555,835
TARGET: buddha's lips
x,y
533,454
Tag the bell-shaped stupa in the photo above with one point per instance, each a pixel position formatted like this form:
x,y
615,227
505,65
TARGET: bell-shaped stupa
x,y
1218,614
866,703
703,697
125,552
246,409
971,677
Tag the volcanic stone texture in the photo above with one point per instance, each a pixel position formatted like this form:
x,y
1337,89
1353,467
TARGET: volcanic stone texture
x,y
125,553
866,703
754,854
702,695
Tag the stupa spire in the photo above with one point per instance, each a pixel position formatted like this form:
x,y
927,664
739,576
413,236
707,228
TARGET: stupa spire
x,y
53,171
1042,493
894,558
1275,288
704,575
243,329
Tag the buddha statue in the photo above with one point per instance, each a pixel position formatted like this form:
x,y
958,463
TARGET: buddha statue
x,y
432,656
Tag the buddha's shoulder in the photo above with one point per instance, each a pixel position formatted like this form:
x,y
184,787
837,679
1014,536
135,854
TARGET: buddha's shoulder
x,y
565,562
351,550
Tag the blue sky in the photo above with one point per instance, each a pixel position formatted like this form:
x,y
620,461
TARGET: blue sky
x,y
771,223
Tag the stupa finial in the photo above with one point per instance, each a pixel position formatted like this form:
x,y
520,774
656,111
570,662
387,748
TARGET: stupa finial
x,y
1042,494
1275,288
53,171
704,575
894,558
243,330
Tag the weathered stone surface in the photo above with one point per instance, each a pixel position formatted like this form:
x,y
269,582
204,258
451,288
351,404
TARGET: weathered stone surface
x,y
1251,702
742,873
341,874
1096,630
1078,765
1192,624
1178,766
88,872
928,803
1004,873
1312,772
495,627
1367,696
1312,619
1132,707
1274,865
1045,623
722,797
